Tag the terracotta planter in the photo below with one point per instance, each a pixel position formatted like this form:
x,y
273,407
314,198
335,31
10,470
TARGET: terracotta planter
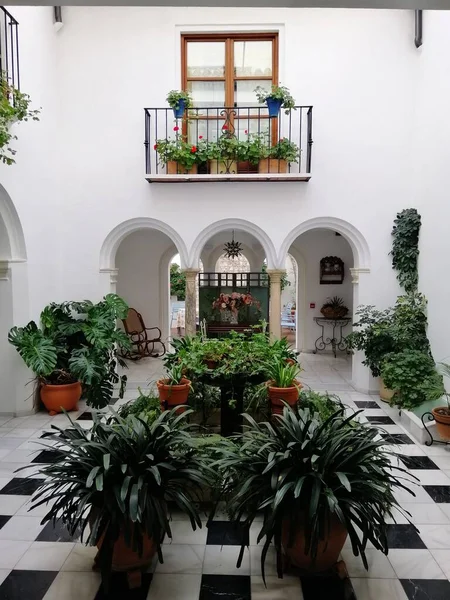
x,y
442,417
327,552
217,167
174,168
334,313
290,361
278,395
245,166
58,397
173,395
272,165
385,393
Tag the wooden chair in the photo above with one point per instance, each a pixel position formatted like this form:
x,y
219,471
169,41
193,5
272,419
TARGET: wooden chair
x,y
143,342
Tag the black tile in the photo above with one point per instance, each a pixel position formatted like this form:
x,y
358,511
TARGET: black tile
x,y
3,520
327,588
397,438
86,416
225,587
56,533
439,493
118,588
404,536
426,589
21,486
48,457
366,404
418,462
26,585
381,420
226,533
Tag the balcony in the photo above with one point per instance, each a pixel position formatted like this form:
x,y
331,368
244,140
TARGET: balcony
x,y
227,144
9,48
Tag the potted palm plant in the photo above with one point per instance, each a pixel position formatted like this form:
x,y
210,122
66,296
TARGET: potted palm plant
x,y
116,481
179,101
283,385
174,388
74,350
276,98
316,482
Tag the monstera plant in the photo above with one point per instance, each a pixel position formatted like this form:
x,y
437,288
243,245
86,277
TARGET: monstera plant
x,y
74,350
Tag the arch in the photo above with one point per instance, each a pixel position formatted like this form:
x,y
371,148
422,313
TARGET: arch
x,y
238,225
216,253
121,231
354,237
11,220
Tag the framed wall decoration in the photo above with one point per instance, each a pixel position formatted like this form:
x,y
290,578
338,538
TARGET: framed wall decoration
x,y
331,270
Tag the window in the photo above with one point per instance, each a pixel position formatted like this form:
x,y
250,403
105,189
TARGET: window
x,y
222,71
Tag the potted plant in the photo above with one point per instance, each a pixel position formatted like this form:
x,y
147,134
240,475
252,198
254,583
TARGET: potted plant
x,y
276,98
334,308
146,406
283,386
179,101
441,414
117,479
254,148
74,349
179,156
279,156
174,388
225,153
315,482
213,351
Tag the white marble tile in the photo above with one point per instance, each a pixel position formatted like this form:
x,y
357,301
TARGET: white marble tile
x,y
414,564
435,450
443,462
181,558
445,509
435,536
379,565
288,588
410,450
10,442
431,477
10,504
428,514
255,560
221,560
378,589
11,552
39,511
21,528
45,556
73,586
81,558
181,587
442,557
182,533
20,432
4,574
21,456
420,496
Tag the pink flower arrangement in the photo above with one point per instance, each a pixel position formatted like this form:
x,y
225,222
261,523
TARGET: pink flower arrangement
x,y
234,302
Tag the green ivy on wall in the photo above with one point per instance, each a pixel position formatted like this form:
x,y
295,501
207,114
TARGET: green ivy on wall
x,y
405,248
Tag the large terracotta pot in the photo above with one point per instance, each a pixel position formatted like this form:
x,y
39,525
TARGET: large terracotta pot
x,y
218,167
58,397
272,165
328,550
174,168
385,393
277,395
442,417
173,395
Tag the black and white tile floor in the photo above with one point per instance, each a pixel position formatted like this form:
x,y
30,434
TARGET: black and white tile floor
x,y
38,562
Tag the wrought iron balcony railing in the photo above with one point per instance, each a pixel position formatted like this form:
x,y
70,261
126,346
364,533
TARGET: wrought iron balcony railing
x,y
9,48
220,143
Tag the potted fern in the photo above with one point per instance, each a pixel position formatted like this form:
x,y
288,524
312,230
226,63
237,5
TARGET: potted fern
x,y
283,386
73,350
174,388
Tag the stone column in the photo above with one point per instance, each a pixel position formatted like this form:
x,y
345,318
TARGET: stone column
x,y
191,301
275,302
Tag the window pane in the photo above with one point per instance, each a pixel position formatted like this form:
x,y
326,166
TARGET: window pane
x,y
243,127
209,130
253,59
207,93
206,59
244,94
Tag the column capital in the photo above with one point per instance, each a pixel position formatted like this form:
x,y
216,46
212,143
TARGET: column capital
x,y
113,274
4,268
357,271
276,274
190,273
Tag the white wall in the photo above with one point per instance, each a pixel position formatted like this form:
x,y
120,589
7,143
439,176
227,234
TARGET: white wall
x,y
312,247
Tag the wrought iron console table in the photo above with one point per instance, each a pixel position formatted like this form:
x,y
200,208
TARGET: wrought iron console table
x,y
429,417
336,343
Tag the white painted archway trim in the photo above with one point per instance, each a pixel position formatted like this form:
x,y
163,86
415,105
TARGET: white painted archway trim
x,y
119,233
357,241
10,217
238,225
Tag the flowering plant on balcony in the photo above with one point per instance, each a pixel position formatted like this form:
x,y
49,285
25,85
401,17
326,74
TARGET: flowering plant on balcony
x,y
178,150
255,147
277,93
285,150
234,302
227,147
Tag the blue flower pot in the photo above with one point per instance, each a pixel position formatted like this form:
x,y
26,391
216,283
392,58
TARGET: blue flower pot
x,y
179,111
274,106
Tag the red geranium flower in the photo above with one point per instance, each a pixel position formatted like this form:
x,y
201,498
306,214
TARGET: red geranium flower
x,y
176,128
225,127
194,149
200,137
245,132
155,147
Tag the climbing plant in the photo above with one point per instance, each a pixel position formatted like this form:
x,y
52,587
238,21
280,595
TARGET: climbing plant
x,y
177,282
14,106
405,248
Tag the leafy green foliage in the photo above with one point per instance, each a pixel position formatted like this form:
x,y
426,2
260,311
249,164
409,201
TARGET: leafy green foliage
x,y
177,149
177,282
281,374
277,93
119,477
146,407
405,248
302,471
284,281
285,150
174,97
324,405
77,341
412,375
14,106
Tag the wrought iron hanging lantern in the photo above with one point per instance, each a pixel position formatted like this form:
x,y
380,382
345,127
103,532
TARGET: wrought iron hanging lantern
x,y
233,249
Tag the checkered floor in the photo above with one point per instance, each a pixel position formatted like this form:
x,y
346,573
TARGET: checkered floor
x,y
38,562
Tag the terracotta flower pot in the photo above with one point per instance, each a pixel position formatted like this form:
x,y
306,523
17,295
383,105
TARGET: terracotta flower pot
x,y
385,393
442,417
173,395
174,168
223,167
272,165
58,397
290,361
211,364
327,552
277,395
